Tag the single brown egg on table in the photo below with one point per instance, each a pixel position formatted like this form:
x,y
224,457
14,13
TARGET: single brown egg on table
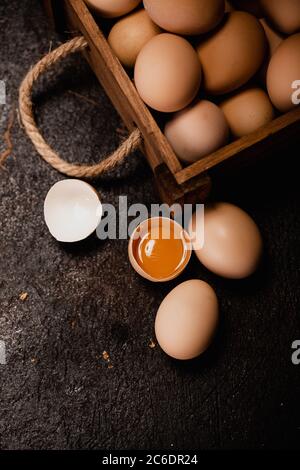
x,y
233,53
283,75
129,35
197,131
250,6
247,111
188,17
167,73
283,14
187,319
112,9
232,244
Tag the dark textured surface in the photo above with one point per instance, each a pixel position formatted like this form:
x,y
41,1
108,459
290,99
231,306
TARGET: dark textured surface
x,y
55,390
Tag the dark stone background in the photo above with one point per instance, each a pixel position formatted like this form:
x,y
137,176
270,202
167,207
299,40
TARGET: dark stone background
x,y
56,390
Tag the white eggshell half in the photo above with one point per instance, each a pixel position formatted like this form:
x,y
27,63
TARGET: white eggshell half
x,y
72,210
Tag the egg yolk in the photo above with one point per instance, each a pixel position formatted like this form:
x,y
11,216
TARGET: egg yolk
x,y
159,252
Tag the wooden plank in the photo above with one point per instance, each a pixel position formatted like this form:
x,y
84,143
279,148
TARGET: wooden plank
x,y
54,12
194,191
119,87
270,136
48,7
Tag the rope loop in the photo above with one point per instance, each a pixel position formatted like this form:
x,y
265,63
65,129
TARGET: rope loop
x,y
47,153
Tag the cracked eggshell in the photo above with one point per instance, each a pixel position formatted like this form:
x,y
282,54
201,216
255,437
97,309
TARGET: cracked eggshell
x,y
141,230
72,210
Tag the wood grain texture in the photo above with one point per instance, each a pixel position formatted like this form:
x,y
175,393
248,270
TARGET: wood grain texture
x,y
193,191
280,131
48,5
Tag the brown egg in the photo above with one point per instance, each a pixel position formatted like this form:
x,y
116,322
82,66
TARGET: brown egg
x,y
112,9
190,17
248,110
167,73
284,14
129,35
187,319
274,38
283,71
197,131
251,6
233,54
232,242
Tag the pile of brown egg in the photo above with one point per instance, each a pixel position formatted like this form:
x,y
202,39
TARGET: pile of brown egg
x,y
223,69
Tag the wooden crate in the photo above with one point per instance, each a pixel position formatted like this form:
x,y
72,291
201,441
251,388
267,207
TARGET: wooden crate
x,y
175,182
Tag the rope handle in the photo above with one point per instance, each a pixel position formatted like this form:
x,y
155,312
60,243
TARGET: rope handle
x,y
47,153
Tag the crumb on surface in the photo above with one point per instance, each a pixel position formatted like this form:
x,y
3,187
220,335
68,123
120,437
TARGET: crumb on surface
x,y
33,360
105,356
151,344
23,296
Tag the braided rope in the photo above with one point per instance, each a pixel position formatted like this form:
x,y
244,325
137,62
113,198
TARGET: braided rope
x,y
47,153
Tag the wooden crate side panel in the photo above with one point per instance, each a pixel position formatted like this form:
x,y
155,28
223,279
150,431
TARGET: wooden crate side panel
x,y
284,128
